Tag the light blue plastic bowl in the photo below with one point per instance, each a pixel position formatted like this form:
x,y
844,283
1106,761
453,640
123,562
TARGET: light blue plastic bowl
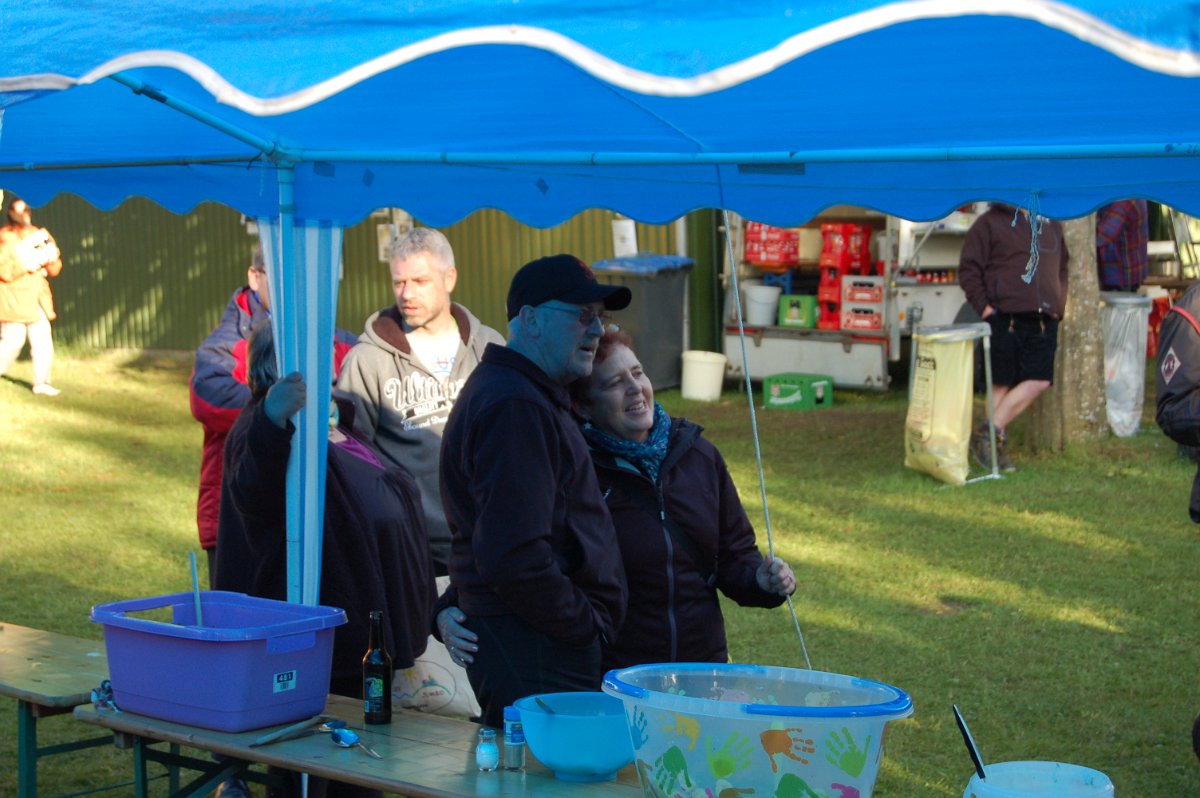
x,y
586,739
1033,779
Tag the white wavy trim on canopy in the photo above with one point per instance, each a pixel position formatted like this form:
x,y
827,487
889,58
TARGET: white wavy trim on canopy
x,y
1084,27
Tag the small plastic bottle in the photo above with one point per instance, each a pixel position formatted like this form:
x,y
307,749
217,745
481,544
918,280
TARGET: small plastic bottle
x,y
514,740
487,754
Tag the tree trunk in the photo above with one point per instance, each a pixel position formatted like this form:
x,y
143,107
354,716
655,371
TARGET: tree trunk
x,y
1075,409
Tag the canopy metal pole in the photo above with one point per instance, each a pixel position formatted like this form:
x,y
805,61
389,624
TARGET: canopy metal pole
x,y
283,307
762,479
268,147
304,518
793,158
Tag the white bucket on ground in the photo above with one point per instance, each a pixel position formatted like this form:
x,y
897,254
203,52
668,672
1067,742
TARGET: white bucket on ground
x,y
731,314
703,373
762,304
1039,780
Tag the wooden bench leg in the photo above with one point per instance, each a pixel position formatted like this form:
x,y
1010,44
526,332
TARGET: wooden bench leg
x,y
26,751
173,770
140,781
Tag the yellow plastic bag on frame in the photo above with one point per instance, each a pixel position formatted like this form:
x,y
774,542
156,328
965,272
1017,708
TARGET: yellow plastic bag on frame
x,y
937,429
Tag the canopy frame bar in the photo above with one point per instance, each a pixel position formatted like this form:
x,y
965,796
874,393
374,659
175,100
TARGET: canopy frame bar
x,y
794,161
270,149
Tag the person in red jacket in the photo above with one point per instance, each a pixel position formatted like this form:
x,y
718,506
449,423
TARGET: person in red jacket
x,y
217,389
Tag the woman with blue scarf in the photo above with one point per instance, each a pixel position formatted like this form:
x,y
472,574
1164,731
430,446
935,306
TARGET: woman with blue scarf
x,y
681,527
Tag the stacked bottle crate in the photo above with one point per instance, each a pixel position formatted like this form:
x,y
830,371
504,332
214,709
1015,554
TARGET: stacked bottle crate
x,y
772,249
862,302
845,251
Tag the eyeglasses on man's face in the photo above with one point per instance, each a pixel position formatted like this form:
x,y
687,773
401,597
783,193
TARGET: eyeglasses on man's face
x,y
587,316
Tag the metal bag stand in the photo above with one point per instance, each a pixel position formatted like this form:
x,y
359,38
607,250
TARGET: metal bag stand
x,y
963,332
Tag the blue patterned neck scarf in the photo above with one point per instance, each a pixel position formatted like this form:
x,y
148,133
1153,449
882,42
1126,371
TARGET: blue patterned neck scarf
x,y
647,455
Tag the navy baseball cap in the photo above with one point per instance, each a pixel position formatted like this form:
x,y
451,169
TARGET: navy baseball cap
x,y
565,278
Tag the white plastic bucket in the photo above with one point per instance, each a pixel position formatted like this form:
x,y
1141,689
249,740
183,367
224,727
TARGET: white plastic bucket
x,y
731,313
703,373
1039,780
762,304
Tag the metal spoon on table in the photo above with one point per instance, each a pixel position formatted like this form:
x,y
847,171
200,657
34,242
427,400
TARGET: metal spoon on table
x,y
348,738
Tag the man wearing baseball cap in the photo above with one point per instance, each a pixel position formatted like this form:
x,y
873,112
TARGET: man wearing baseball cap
x,y
534,566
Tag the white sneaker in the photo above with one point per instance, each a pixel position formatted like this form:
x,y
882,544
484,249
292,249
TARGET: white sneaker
x,y
46,389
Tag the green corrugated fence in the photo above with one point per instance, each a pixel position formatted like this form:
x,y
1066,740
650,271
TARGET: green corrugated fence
x,y
141,277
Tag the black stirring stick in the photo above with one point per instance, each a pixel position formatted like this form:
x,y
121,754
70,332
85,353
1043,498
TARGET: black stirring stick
x,y
970,742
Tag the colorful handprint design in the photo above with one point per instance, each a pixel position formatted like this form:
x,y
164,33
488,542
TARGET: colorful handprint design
x,y
732,756
684,726
646,777
845,754
788,742
792,786
637,728
670,769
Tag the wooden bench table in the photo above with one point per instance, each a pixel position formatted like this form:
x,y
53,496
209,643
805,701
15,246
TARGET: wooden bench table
x,y
48,674
424,756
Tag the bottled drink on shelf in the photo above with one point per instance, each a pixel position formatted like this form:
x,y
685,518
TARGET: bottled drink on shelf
x,y
377,675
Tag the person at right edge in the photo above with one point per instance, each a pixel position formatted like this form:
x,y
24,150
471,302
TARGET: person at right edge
x,y
1177,380
534,563
1177,386
1021,292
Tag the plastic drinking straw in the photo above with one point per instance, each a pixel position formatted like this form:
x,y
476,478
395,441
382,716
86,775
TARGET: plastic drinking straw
x,y
196,589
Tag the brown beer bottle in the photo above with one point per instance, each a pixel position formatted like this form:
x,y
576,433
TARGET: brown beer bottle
x,y
377,675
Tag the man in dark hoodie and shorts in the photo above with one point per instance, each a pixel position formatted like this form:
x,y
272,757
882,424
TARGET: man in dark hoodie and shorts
x,y
409,365
1021,291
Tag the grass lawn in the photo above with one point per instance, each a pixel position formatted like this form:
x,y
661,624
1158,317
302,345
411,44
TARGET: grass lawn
x,y
1058,607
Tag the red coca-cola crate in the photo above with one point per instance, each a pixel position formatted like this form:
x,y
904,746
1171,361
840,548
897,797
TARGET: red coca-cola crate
x,y
862,317
829,293
756,231
771,253
829,317
770,248
845,245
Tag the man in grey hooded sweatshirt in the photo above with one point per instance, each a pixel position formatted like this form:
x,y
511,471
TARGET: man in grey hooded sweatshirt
x,y
406,370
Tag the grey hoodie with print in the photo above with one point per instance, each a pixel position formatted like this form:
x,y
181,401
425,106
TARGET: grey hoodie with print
x,y
401,407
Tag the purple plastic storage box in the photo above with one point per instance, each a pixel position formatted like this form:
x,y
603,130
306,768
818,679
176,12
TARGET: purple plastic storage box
x,y
255,662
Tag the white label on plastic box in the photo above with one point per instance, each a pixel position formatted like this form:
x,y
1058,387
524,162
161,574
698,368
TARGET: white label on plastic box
x,y
284,681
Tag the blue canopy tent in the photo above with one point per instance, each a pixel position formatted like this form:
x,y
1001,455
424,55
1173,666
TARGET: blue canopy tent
x,y
309,116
